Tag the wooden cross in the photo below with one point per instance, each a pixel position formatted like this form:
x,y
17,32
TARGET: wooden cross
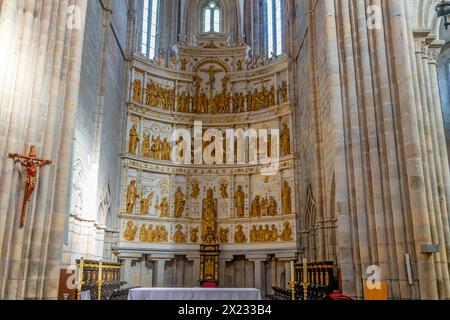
x,y
212,78
31,164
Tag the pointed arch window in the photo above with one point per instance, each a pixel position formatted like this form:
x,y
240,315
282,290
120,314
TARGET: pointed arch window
x,y
274,23
212,17
150,28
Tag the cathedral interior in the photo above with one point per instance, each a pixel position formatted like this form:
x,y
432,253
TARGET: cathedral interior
x,y
136,132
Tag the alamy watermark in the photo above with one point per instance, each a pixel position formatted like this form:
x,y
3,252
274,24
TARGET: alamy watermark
x,y
228,147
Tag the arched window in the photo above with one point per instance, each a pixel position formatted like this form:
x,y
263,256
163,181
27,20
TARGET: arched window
x,y
212,17
150,28
274,34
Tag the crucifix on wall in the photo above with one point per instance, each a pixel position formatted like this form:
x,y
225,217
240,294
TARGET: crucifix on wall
x,y
211,71
31,164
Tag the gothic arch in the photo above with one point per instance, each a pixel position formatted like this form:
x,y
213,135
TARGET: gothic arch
x,y
232,11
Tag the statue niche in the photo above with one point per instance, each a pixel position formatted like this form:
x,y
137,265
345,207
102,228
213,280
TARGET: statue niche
x,y
209,216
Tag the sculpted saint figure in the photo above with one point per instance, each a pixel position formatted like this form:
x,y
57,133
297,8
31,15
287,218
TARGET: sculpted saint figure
x,y
164,235
210,236
283,92
285,137
254,234
133,140
131,197
267,234
165,150
157,235
180,201
195,190
287,198
137,90
143,233
130,231
273,207
286,235
240,202
194,235
260,234
146,203
163,207
273,234
223,190
180,148
264,206
150,233
146,146
239,236
179,236
209,213
256,208
224,235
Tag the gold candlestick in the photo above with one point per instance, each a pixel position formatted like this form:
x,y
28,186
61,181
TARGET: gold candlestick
x,y
292,283
100,280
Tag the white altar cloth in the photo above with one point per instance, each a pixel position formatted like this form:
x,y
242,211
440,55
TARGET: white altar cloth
x,y
194,294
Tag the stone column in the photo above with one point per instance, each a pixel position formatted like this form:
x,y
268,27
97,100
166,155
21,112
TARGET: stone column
x,y
414,163
160,268
126,271
195,257
259,272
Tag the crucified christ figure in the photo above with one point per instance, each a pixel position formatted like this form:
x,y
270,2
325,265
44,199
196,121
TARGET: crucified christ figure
x,y
31,164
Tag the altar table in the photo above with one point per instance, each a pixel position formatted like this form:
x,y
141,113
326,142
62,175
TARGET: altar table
x,y
194,294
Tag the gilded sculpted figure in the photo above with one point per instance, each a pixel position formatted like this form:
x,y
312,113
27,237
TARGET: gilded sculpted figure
x,y
180,148
283,92
260,234
223,190
266,233
183,63
156,148
273,234
287,206
164,235
210,236
240,202
195,190
256,208
163,207
179,236
150,233
239,236
146,146
285,137
209,213
286,235
264,207
132,195
133,139
180,201
273,207
165,150
194,235
157,235
254,234
137,90
224,235
143,233
146,203
130,231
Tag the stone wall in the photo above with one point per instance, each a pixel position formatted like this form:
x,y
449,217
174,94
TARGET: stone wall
x,y
96,169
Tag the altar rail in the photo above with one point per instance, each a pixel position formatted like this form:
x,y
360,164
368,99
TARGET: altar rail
x,y
319,274
100,278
